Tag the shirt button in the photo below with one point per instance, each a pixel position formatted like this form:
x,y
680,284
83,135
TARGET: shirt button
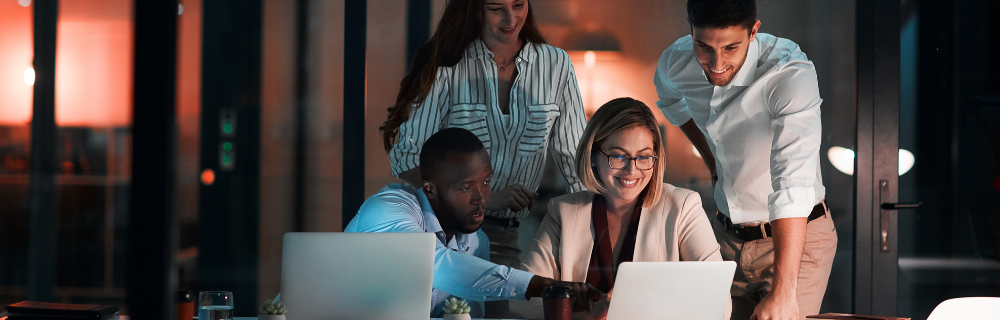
x,y
734,207
718,140
513,294
518,59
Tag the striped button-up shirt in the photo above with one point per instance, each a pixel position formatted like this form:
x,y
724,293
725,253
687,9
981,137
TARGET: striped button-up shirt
x,y
546,115
763,127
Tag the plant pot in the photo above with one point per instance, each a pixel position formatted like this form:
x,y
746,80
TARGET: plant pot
x,y
460,316
271,317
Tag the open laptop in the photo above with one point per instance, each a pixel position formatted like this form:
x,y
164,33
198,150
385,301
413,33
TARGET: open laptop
x,y
334,275
688,290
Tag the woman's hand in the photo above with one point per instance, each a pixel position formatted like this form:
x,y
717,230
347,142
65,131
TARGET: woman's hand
x,y
514,197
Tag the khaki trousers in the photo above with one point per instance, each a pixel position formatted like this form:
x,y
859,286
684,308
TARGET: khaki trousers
x,y
755,272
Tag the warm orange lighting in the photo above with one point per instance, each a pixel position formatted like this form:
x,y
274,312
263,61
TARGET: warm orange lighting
x,y
590,59
29,76
94,72
94,54
207,177
15,57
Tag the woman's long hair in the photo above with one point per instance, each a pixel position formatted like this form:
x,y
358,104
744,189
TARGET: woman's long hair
x,y
461,23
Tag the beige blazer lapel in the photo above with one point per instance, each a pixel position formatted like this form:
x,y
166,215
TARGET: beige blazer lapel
x,y
649,242
578,237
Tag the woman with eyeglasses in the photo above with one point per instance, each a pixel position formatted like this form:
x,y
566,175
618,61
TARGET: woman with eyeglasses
x,y
627,213
487,69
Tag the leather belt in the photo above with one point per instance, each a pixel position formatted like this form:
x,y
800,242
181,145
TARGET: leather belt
x,y
763,230
506,222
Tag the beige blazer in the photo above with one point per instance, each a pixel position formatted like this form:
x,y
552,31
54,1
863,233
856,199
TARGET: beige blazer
x,y
674,229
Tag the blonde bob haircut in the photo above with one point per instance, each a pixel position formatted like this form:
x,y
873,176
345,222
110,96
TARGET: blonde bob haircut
x,y
612,117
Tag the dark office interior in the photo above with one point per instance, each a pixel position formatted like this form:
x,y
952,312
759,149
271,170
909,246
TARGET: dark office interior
x,y
150,147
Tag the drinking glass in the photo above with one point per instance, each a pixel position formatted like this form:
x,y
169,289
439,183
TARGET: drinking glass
x,y
215,305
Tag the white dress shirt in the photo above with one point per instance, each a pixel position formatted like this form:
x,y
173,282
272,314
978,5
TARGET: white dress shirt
x,y
763,127
545,115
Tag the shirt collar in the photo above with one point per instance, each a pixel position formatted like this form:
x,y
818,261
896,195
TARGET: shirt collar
x,y
431,224
745,76
477,49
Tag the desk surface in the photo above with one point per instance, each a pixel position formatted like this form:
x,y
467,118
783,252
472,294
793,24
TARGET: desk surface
x,y
2,317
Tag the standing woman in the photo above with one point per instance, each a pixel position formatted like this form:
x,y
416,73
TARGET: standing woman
x,y
487,69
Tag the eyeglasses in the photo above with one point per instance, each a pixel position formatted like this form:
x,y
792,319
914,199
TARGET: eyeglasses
x,y
620,161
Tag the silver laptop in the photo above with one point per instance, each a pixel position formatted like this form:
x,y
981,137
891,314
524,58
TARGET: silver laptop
x,y
688,290
334,275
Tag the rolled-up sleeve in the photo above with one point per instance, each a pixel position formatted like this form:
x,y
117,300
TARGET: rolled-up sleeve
x,y
671,102
425,119
794,103
568,128
472,278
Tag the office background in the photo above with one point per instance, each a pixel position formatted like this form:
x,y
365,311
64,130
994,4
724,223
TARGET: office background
x,y
262,142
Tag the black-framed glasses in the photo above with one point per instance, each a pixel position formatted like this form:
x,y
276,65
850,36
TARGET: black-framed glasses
x,y
620,161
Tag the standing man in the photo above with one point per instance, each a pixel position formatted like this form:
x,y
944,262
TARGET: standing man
x,y
749,102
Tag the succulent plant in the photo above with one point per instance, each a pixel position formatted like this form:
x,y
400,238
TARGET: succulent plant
x,y
456,306
272,307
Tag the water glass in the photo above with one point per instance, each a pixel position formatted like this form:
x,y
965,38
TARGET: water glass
x,y
215,305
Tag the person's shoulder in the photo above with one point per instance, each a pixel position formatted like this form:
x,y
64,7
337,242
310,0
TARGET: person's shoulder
x,y
779,53
398,196
549,52
676,195
576,198
675,57
682,47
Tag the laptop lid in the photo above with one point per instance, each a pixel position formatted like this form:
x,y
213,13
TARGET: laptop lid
x,y
688,290
334,275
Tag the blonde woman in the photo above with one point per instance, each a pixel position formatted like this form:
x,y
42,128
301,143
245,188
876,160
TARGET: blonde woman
x,y
627,213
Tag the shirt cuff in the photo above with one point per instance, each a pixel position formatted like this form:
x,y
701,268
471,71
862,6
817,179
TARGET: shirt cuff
x,y
791,202
518,282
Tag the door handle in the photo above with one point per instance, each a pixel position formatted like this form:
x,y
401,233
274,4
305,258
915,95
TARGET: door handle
x,y
897,206
885,213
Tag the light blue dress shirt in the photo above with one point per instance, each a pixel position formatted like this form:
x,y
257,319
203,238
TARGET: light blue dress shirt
x,y
461,266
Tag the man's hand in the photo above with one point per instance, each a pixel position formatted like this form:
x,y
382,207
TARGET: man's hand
x,y
515,197
583,295
789,238
774,307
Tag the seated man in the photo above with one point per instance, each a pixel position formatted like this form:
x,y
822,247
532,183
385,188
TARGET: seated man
x,y
456,171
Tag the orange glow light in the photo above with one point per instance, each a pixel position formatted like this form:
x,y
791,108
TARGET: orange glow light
x,y
208,177
94,54
15,58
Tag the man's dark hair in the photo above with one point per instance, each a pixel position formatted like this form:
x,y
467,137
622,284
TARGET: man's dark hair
x,y
722,13
442,143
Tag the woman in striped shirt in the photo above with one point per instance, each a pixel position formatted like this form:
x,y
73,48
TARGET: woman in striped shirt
x,y
487,69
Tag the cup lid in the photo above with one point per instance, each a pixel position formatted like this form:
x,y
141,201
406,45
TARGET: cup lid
x,y
557,292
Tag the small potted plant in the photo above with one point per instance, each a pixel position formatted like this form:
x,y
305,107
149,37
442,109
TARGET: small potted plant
x,y
271,310
456,309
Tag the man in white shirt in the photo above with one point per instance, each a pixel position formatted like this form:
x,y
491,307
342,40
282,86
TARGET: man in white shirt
x,y
750,104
